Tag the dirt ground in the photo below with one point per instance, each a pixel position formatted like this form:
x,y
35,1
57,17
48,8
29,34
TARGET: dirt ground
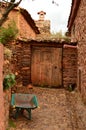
x,y
58,110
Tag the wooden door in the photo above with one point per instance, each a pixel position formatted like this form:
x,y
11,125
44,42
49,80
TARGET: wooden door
x,y
46,66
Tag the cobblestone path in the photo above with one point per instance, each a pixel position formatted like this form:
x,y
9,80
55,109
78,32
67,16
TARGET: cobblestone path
x,y
59,110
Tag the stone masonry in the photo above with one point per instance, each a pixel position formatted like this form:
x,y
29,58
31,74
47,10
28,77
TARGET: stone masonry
x,y
26,30
78,33
42,24
24,22
7,92
2,114
69,66
21,63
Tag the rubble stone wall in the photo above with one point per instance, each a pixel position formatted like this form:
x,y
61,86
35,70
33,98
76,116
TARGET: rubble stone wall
x,y
79,34
25,30
2,113
43,26
69,66
22,64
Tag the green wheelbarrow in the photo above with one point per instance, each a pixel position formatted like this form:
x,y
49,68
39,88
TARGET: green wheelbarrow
x,y
23,102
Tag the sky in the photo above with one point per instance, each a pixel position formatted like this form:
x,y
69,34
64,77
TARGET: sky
x,y
57,13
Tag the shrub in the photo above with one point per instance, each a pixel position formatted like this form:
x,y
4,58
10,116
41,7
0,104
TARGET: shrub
x,y
9,33
9,81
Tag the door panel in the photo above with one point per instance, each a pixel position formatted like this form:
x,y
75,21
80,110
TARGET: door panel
x,y
35,67
46,66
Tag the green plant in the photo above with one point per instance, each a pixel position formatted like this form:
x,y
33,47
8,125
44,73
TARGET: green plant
x,y
59,35
7,53
71,87
11,124
9,81
9,33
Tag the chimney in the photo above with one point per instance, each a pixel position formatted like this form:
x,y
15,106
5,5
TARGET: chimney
x,y
41,15
42,24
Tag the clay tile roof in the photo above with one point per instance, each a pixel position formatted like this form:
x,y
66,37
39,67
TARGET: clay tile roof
x,y
29,19
73,13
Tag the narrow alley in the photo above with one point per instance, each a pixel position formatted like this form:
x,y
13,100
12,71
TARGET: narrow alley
x,y
58,109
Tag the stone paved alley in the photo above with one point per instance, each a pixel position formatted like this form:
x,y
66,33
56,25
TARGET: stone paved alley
x,y
59,110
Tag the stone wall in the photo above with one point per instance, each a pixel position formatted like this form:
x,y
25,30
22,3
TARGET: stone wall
x,y
2,113
79,34
21,63
5,96
24,29
7,100
69,65
43,26
21,70
7,92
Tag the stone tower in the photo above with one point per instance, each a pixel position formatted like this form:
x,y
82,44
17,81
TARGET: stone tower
x,y
42,24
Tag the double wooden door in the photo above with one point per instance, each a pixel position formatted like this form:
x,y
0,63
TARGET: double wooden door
x,y
46,66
